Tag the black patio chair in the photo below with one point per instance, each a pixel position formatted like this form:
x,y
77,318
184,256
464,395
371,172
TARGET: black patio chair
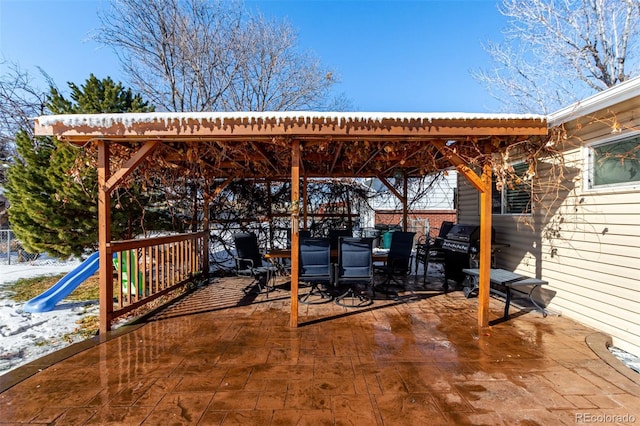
x,y
315,269
249,262
398,262
336,234
284,264
303,233
354,269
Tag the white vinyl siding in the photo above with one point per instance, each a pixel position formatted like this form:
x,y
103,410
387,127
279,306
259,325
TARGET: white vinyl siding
x,y
439,196
585,242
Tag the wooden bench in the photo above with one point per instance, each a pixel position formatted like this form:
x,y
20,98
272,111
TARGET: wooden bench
x,y
508,280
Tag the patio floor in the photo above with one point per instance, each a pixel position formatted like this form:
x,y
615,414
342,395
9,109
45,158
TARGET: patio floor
x,y
219,356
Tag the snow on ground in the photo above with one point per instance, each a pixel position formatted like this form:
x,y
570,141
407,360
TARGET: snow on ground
x,y
630,360
26,336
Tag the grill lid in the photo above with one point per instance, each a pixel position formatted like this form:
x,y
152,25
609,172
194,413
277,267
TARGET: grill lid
x,y
464,233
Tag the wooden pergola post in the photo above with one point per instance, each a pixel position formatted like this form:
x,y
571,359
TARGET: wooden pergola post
x,y
405,208
270,215
483,184
106,184
295,234
206,228
104,238
402,197
305,207
485,240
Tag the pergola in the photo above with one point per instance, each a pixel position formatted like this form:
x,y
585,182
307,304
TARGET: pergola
x,y
294,145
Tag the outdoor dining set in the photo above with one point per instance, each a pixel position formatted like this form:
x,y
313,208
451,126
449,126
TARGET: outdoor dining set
x,y
339,267
350,270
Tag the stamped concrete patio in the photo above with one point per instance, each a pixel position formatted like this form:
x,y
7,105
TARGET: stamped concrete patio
x,y
219,356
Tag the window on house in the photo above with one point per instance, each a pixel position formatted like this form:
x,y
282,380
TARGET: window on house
x,y
615,163
515,196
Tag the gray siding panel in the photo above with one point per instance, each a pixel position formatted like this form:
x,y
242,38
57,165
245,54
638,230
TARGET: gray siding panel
x,y
468,202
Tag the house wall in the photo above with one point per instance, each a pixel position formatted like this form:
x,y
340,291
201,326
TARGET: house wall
x,y
426,213
584,242
422,222
440,196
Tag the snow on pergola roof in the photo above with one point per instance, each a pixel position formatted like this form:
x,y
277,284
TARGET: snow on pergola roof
x,y
130,119
258,144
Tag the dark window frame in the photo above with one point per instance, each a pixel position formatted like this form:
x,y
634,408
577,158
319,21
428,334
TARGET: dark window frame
x,y
515,198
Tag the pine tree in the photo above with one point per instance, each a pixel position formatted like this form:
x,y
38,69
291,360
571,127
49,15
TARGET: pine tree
x,y
29,194
52,209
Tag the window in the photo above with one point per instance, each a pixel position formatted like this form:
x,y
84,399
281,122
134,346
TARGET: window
x,y
615,163
515,196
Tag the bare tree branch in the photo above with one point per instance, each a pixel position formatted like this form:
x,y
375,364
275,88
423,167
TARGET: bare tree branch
x,y
197,55
20,100
557,52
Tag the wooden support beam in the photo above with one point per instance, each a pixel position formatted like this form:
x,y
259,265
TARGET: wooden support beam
x,y
394,191
405,159
264,155
402,197
104,239
371,157
336,158
485,240
484,185
232,162
205,227
272,230
460,165
405,208
130,165
221,187
295,234
305,206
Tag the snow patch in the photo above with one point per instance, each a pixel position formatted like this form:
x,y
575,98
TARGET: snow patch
x,y
630,360
26,336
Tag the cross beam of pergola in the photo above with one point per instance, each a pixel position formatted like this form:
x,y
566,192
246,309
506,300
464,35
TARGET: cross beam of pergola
x,y
291,145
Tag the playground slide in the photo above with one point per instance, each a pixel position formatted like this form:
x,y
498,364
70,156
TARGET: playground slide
x,y
46,301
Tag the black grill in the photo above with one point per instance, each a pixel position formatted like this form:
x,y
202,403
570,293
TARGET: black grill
x,y
460,243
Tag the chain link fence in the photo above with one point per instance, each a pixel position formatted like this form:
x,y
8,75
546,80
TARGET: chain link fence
x,y
11,251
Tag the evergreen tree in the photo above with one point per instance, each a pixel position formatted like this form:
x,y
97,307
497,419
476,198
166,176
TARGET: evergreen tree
x,y
53,198
29,193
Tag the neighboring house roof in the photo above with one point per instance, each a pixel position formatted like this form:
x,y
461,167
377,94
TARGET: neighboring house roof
x,y
602,100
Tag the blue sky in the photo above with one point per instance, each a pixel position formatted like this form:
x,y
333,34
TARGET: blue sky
x,y
413,56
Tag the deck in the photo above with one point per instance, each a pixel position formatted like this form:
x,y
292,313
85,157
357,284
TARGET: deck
x,y
219,356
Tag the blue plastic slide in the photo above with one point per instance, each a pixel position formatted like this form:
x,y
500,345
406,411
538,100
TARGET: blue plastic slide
x,y
46,301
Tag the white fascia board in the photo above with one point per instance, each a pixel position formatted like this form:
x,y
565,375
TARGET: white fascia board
x,y
602,100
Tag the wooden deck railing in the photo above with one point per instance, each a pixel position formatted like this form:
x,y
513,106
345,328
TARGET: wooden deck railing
x,y
147,269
